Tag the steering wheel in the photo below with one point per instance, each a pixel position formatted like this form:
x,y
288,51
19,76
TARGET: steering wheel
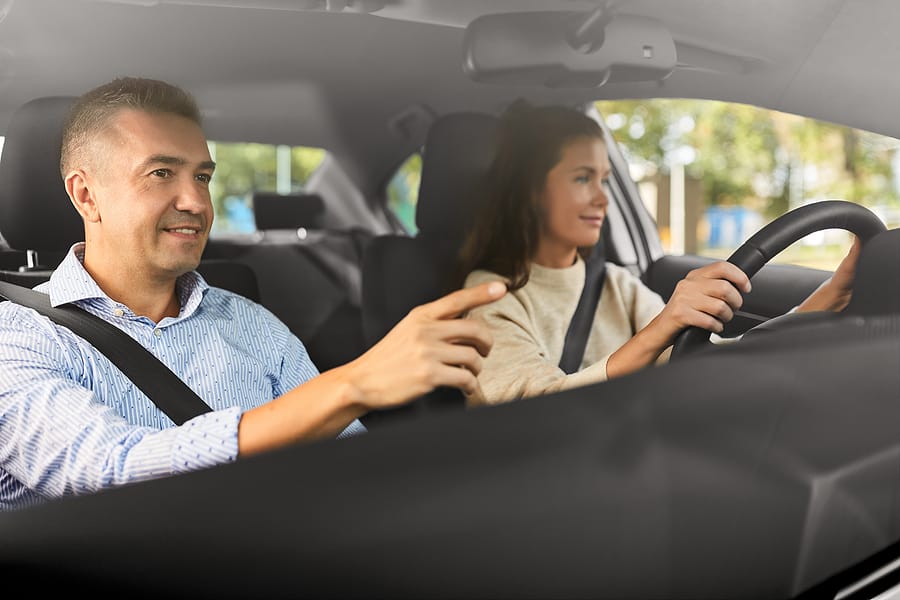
x,y
778,235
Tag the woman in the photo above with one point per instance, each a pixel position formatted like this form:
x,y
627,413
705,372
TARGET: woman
x,y
546,192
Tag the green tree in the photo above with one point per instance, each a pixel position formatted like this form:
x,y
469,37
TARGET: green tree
x,y
403,191
756,157
643,128
736,147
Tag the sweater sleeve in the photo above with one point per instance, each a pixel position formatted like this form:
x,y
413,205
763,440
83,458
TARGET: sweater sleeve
x,y
644,305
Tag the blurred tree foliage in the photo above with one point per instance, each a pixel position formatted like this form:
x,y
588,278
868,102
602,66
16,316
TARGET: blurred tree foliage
x,y
755,157
242,169
403,191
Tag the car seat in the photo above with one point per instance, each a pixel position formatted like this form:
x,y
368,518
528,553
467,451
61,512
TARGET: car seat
x,y
401,272
876,284
36,216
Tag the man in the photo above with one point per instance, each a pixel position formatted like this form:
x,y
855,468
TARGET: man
x,y
137,168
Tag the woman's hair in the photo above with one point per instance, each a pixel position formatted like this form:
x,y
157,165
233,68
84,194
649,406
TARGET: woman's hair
x,y
506,231
94,110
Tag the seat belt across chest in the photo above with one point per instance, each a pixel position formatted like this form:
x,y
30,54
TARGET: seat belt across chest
x,y
583,319
159,383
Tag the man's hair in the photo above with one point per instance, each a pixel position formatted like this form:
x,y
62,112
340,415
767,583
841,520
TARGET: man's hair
x,y
507,229
93,111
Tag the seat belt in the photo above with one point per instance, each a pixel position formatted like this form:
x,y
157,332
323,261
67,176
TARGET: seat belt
x,y
583,319
148,373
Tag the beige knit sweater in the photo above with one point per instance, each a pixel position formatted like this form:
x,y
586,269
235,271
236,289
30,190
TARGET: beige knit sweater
x,y
529,327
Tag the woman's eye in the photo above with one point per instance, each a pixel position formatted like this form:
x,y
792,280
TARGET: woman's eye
x,y
582,179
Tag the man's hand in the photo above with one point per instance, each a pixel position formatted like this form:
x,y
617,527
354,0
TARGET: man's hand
x,y
430,347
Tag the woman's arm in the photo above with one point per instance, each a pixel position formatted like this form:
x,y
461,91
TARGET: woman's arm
x,y
707,297
835,292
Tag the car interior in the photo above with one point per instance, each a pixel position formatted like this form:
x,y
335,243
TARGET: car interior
x,y
762,468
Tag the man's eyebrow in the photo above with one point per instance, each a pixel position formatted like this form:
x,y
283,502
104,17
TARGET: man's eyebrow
x,y
164,159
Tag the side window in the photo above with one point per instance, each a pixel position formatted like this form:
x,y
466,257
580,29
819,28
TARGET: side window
x,y
712,173
242,169
403,192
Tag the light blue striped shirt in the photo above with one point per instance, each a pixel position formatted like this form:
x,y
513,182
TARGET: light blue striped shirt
x,y
71,423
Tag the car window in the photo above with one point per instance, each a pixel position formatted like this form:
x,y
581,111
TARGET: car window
x,y
712,173
244,168
403,192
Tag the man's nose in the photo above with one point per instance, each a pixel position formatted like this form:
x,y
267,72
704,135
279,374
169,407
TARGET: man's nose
x,y
193,196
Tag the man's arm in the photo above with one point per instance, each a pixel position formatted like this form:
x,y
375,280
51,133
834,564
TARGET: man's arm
x,y
430,347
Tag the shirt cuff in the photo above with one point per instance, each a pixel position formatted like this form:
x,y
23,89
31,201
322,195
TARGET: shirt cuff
x,y
354,428
207,440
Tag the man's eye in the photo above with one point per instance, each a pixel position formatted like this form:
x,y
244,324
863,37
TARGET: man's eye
x,y
162,173
204,177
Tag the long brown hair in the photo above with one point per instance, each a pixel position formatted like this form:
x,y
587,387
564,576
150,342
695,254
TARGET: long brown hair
x,y
507,229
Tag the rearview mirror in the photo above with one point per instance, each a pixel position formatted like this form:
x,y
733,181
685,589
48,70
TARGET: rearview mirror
x,y
565,49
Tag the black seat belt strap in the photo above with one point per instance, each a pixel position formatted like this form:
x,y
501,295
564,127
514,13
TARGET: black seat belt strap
x,y
583,319
151,376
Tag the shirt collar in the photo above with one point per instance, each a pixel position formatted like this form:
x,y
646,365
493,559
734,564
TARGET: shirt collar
x,y
70,282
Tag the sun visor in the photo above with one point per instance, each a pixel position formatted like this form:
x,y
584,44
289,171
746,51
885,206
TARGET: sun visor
x,y
566,49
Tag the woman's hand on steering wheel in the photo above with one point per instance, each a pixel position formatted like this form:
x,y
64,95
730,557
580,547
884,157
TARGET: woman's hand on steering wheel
x,y
835,292
778,235
707,298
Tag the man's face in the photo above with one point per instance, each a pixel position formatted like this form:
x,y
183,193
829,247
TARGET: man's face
x,y
150,184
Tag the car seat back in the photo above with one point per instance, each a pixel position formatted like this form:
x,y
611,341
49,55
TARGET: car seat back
x,y
876,284
36,215
401,272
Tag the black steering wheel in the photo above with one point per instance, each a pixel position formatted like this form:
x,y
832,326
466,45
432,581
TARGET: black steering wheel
x,y
778,235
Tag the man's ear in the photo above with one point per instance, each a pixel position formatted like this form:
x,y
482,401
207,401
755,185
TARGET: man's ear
x,y
82,196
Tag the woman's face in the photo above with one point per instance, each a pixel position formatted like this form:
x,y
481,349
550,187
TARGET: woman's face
x,y
573,202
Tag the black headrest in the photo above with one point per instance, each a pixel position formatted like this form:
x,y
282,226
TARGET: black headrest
x,y
35,211
876,285
458,150
287,211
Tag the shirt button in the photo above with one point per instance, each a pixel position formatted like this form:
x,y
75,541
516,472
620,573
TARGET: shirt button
x,y
118,312
157,332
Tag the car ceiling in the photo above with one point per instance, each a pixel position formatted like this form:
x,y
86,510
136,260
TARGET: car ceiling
x,y
338,73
